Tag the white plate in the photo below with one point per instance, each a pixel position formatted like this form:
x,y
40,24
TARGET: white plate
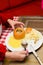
x,y
10,47
36,46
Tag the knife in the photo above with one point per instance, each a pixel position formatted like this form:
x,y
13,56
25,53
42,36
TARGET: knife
x,y
35,54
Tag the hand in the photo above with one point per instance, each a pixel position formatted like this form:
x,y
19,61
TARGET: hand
x,y
15,23
16,56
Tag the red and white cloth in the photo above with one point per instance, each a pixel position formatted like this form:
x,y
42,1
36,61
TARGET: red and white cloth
x,y
4,35
7,31
3,47
16,18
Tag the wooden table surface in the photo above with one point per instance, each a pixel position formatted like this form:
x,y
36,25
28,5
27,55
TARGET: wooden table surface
x,y
31,60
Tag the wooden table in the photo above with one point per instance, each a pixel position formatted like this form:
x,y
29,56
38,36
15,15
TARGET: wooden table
x,y
36,23
31,60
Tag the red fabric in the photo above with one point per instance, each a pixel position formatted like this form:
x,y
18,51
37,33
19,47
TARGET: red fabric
x,y
4,4
16,2
2,52
29,9
2,43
